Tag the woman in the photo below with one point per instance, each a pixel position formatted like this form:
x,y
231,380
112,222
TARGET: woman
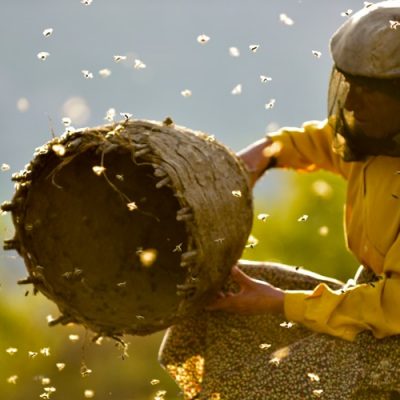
x,y
345,341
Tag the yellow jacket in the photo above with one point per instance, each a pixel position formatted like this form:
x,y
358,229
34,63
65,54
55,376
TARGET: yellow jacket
x,y
372,222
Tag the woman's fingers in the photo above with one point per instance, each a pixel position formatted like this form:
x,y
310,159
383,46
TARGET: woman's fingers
x,y
229,300
240,277
254,297
218,304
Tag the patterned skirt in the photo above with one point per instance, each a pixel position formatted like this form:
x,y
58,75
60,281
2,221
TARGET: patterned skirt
x,y
223,356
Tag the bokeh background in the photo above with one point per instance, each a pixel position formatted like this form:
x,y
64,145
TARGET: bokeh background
x,y
228,99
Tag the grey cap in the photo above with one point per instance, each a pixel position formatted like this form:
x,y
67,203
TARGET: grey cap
x,y
368,43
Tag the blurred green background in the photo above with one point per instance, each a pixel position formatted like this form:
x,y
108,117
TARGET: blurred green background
x,y
35,95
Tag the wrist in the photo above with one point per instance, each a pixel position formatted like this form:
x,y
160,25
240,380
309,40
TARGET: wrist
x,y
280,306
271,299
277,303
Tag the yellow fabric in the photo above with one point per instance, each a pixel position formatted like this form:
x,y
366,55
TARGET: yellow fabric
x,y
372,222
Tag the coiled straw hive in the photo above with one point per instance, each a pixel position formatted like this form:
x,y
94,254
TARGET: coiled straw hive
x,y
130,227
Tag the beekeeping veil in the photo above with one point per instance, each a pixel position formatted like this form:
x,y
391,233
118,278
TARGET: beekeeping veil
x,y
366,54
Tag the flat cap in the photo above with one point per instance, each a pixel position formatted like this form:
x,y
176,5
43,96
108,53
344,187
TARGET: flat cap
x,y
368,43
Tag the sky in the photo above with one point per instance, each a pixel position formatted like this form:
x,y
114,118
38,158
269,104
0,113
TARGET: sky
x,y
260,65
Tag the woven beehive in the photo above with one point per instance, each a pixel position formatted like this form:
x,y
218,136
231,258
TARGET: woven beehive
x,y
132,226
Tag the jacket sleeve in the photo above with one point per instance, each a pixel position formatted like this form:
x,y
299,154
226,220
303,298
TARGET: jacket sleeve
x,y
308,148
374,306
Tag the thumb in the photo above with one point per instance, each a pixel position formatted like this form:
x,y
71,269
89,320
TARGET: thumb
x,y
239,276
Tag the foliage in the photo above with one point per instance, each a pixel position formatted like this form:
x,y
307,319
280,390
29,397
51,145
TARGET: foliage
x,y
305,225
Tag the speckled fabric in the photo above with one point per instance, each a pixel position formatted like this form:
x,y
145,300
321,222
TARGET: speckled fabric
x,y
223,356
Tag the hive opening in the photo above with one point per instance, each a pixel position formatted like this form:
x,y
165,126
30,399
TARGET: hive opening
x,y
107,252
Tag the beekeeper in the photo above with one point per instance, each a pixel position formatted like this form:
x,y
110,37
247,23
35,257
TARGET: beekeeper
x,y
345,342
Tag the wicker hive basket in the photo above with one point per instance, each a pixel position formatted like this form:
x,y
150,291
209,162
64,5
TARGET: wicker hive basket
x,y
130,227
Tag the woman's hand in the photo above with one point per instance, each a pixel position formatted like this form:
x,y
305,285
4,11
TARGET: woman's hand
x,y
256,158
254,296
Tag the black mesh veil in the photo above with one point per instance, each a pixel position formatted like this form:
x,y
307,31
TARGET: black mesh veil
x,y
349,141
